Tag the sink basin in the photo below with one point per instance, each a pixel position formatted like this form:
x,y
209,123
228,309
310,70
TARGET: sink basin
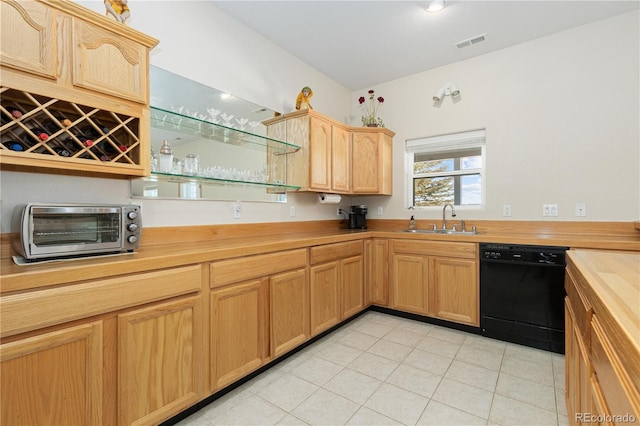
x,y
439,231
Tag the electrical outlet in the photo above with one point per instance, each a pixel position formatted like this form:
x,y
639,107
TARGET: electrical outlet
x,y
380,210
236,211
506,210
549,210
338,212
292,211
581,209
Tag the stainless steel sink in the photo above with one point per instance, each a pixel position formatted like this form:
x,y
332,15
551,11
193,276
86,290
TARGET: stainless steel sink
x,y
439,231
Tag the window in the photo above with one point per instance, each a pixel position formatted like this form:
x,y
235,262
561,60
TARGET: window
x,y
446,169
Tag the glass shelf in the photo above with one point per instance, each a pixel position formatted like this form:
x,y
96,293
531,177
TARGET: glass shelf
x,y
202,128
206,180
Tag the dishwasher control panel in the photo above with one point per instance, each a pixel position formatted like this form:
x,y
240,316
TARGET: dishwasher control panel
x,y
523,253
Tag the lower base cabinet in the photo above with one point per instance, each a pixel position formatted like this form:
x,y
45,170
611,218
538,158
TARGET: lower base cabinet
x,y
159,353
454,290
237,331
54,378
377,271
288,311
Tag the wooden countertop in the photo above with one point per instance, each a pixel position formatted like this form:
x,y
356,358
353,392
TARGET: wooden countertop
x,y
171,247
614,278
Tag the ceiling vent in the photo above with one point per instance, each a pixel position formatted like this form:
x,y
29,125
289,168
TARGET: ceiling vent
x,y
473,40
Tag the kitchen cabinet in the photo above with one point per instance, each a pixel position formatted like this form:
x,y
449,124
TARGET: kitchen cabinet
x,y
250,306
80,85
53,378
335,157
160,357
438,279
372,162
602,385
336,283
377,271
289,311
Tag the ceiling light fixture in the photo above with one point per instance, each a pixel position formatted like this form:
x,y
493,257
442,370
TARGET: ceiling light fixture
x,y
449,89
434,6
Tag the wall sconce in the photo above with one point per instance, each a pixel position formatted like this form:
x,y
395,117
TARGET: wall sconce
x,y
449,89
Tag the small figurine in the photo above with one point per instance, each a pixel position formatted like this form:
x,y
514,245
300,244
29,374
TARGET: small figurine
x,y
118,9
302,101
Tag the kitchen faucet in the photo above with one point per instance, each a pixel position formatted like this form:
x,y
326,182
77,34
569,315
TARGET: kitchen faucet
x,y
444,218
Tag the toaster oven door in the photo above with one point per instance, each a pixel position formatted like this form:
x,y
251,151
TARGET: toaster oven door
x,y
61,231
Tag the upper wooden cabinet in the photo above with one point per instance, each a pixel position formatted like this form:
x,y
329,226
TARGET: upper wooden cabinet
x,y
335,157
79,84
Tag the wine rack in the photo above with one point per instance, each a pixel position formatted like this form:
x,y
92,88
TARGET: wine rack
x,y
36,127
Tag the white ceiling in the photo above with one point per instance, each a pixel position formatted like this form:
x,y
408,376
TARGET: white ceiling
x,y
363,43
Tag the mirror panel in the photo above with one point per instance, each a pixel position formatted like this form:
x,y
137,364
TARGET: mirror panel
x,y
232,162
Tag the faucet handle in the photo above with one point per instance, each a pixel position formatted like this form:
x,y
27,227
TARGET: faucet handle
x,y
463,225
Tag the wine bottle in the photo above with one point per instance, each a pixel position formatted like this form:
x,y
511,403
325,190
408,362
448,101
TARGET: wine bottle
x,y
14,146
35,135
15,113
53,126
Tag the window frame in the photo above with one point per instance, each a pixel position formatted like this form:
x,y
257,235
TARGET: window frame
x,y
439,144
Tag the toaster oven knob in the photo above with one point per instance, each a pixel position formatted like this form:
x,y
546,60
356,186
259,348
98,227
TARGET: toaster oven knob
x,y
132,215
132,227
132,239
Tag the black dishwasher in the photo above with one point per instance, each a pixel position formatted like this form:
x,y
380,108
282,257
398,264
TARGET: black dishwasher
x,y
522,294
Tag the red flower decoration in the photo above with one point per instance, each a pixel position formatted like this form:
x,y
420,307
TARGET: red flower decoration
x,y
371,109
361,100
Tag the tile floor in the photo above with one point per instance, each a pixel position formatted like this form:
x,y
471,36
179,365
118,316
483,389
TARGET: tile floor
x,y
384,370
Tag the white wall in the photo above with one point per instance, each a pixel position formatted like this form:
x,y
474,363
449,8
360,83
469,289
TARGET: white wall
x,y
562,119
561,115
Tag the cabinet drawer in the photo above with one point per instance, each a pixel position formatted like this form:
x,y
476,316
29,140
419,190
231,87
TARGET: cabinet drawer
x,y
619,393
329,252
436,248
580,306
37,309
245,268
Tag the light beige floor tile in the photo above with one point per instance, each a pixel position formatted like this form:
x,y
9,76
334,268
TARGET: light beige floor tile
x,y
374,329
433,363
528,370
438,346
386,320
561,403
358,340
315,409
558,364
416,327
288,391
355,386
563,420
474,375
291,420
251,411
480,357
509,412
438,414
196,419
415,380
373,365
391,350
339,354
528,391
403,337
398,404
525,353
486,343
464,397
453,336
317,370
366,417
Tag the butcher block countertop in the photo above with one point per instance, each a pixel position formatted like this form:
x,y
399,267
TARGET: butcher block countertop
x,y
614,280
178,246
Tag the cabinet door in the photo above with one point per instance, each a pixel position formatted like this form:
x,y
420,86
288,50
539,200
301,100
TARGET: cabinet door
x,y
36,49
377,272
319,154
237,331
577,369
409,283
325,302
54,378
352,278
106,63
453,285
289,311
365,175
341,160
159,353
